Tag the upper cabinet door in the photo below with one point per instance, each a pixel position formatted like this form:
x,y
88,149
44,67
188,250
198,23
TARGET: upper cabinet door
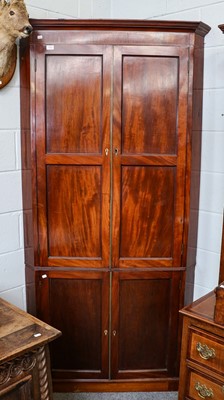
x,y
73,85
149,151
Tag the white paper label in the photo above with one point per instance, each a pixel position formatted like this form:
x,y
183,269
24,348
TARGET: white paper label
x,y
49,47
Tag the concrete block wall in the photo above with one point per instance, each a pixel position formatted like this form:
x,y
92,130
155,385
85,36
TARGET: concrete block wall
x,y
12,280
11,229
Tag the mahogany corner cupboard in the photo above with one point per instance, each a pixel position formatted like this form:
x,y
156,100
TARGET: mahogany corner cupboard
x,y
111,131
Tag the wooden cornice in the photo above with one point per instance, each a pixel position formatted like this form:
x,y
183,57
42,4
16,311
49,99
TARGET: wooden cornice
x,y
199,28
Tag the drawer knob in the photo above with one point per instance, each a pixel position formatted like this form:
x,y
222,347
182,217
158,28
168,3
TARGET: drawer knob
x,y
203,391
204,351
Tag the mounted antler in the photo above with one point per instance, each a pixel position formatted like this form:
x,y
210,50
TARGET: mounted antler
x,y
14,23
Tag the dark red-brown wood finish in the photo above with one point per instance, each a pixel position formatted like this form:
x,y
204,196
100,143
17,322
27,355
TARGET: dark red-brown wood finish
x,y
111,120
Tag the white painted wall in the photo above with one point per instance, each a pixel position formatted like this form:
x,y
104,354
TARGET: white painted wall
x,y
12,285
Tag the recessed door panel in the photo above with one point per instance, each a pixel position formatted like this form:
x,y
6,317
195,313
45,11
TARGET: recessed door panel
x,y
144,315
149,104
147,211
74,211
74,103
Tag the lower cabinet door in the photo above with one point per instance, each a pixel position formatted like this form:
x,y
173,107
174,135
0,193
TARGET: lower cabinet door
x,y
134,337
77,303
144,324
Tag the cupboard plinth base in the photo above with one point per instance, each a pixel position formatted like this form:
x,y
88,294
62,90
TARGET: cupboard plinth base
x,y
156,385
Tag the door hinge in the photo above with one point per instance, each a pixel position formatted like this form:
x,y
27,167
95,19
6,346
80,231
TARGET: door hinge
x,y
38,250
35,65
182,249
180,284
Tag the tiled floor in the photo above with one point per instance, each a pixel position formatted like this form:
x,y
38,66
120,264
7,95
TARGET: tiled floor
x,y
117,396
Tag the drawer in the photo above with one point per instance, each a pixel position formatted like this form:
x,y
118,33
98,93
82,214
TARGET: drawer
x,y
201,387
207,350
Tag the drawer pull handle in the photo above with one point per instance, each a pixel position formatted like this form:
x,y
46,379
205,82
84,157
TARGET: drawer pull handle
x,y
204,351
203,391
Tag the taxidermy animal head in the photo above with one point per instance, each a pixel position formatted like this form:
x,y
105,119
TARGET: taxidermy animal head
x,y
14,23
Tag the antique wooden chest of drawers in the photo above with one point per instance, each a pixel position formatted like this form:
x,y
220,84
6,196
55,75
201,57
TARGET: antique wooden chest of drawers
x,y
202,355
